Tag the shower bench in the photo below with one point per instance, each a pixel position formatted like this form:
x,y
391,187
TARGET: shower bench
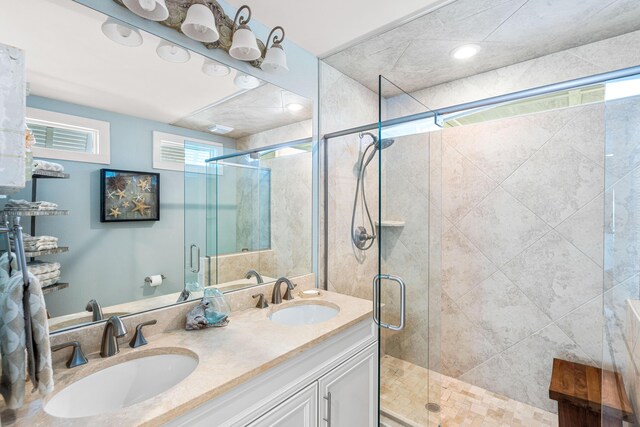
x,y
588,396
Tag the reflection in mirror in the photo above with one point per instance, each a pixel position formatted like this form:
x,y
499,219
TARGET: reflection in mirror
x,y
102,94
249,216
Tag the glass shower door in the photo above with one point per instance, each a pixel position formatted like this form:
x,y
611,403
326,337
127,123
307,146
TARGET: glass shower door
x,y
406,289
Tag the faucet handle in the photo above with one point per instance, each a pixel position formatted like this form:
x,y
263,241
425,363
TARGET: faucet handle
x,y
138,339
262,302
77,357
287,294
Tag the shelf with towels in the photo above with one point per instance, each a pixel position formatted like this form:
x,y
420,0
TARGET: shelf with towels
x,y
49,174
55,287
36,212
58,250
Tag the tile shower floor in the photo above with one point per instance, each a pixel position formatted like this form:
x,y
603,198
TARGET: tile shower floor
x,y
404,394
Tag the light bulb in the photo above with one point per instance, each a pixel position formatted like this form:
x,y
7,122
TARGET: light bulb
x,y
124,31
147,5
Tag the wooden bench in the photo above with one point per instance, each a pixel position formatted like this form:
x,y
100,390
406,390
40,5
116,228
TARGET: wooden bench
x,y
588,396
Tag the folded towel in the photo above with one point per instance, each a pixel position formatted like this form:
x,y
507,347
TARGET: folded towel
x,y
43,165
38,246
48,276
24,204
27,238
24,329
49,282
39,267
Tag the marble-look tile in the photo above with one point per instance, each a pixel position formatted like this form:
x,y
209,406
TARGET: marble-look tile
x,y
501,227
292,132
499,147
532,360
555,275
622,228
585,132
463,265
556,181
464,185
584,326
12,117
622,119
503,310
497,376
585,228
463,343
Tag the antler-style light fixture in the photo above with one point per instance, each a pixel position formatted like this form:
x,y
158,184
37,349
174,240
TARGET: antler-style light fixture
x,y
121,33
200,24
275,59
155,10
244,46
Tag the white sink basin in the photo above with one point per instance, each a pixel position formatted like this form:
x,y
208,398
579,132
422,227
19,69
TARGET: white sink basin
x,y
121,385
304,314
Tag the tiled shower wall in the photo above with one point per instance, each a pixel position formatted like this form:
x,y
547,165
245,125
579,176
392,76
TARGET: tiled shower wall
x,y
522,246
345,103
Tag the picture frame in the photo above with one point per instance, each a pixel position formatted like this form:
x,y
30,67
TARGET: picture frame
x,y
129,196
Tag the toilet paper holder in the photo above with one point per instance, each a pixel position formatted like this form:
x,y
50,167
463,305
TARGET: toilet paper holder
x,y
148,278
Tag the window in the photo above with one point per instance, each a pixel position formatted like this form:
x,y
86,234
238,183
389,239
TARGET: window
x,y
66,137
172,152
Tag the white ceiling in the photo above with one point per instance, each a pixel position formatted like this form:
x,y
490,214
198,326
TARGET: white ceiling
x,y
417,55
251,112
323,26
69,59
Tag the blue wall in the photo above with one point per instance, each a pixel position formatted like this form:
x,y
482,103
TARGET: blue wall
x,y
109,261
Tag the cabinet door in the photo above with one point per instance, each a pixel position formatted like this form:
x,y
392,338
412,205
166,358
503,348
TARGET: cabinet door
x,y
348,394
300,410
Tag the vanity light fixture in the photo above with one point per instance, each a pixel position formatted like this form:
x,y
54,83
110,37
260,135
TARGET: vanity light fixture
x,y
172,53
215,69
154,10
465,51
121,33
245,81
244,46
275,59
200,24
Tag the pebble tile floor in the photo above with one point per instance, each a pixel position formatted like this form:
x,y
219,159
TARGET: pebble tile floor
x,y
405,391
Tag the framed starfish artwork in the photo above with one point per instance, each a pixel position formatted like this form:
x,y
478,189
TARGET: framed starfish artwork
x,y
129,196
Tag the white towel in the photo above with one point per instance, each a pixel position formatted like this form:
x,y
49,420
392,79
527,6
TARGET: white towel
x,y
24,204
27,238
39,267
24,329
38,246
43,165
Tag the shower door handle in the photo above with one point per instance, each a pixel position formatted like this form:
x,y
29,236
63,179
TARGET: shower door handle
x,y
196,269
403,299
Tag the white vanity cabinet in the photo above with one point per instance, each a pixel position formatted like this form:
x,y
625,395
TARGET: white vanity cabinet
x,y
342,371
349,392
300,410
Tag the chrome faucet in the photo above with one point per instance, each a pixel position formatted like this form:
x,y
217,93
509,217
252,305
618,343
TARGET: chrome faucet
x,y
94,307
254,273
113,329
276,296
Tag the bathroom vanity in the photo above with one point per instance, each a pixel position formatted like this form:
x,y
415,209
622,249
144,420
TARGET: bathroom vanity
x,y
305,362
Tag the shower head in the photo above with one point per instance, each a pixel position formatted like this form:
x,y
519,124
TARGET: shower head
x,y
385,143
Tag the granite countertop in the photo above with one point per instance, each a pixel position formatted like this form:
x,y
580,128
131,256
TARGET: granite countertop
x,y
229,356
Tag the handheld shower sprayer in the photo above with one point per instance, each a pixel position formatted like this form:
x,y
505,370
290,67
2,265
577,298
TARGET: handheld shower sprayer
x,y
362,237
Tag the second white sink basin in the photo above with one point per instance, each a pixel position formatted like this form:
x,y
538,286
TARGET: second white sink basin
x,y
121,385
304,314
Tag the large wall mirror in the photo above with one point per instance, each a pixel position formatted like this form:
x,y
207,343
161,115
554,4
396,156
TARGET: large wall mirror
x,y
102,95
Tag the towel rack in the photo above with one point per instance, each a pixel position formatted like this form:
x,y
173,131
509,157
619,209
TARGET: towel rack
x,y
16,230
